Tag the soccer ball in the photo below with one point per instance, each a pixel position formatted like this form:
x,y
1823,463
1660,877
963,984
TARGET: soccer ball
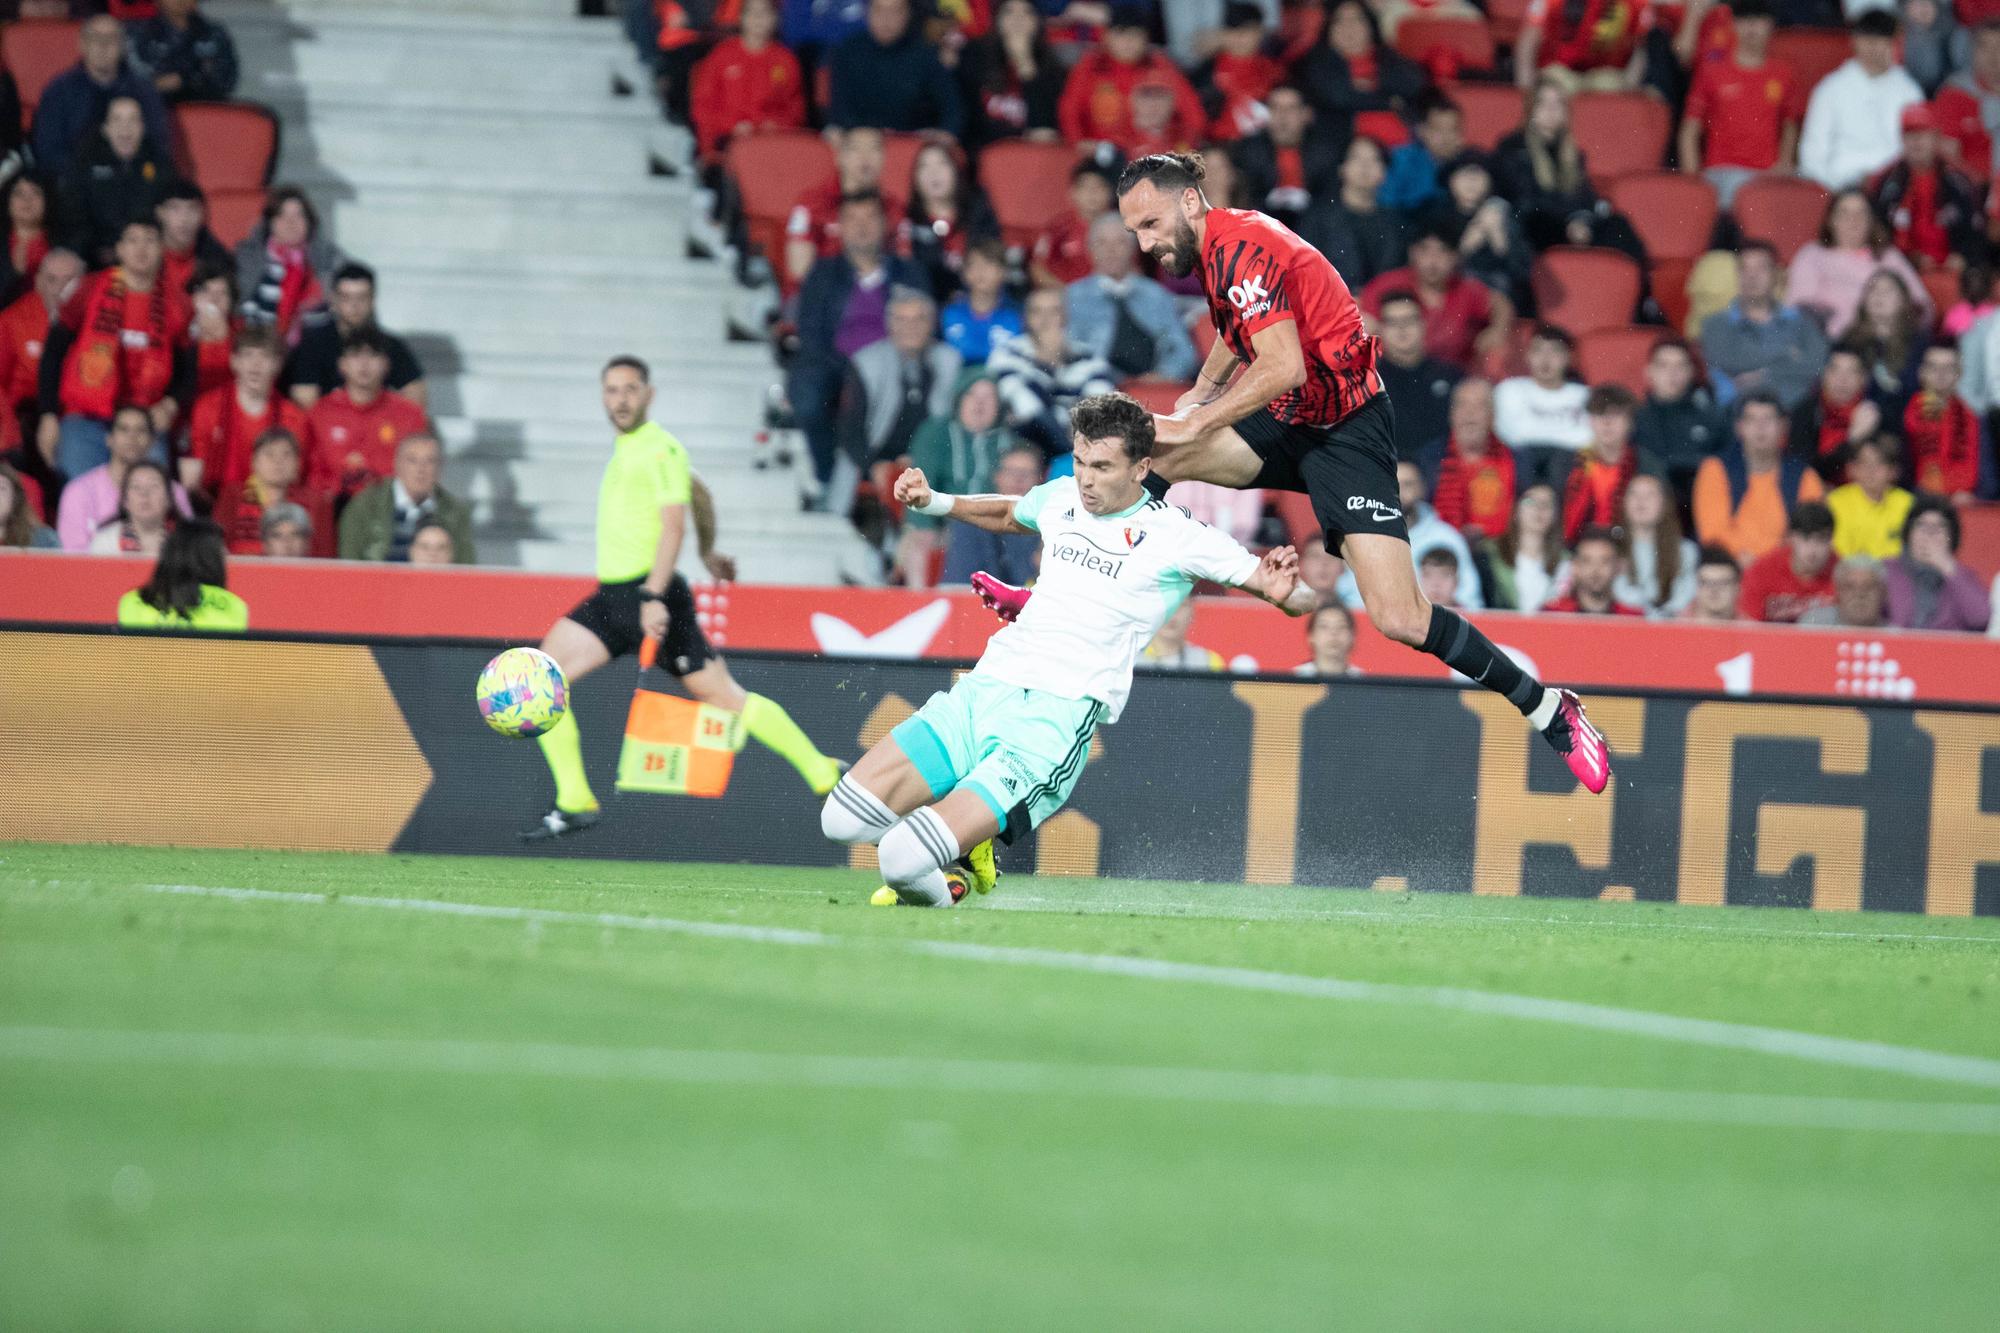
x,y
522,692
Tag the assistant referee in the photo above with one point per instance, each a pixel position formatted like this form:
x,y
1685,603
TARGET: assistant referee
x,y
643,506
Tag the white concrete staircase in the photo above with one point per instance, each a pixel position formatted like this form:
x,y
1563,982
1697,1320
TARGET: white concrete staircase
x,y
481,163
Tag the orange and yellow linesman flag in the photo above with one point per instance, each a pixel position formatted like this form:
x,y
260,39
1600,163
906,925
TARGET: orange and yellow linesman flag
x,y
676,746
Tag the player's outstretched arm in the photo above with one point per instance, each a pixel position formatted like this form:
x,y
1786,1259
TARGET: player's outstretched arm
x,y
995,513
1279,367
1276,580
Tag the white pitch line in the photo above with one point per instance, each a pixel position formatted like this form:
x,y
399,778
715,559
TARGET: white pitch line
x,y
370,1055
1848,1052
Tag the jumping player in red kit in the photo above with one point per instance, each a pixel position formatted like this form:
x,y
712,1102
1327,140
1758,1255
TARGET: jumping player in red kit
x,y
1308,413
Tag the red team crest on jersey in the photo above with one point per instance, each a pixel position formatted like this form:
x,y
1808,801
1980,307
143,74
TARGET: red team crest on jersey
x,y
1133,536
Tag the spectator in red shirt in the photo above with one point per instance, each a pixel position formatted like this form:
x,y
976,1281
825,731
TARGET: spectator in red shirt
x,y
1969,102
24,232
212,294
228,421
1475,480
1743,112
1942,430
1241,74
747,83
1595,42
1462,317
813,229
1096,104
121,341
1593,569
185,240
277,463
356,428
1062,252
1594,493
1934,212
1784,584
24,328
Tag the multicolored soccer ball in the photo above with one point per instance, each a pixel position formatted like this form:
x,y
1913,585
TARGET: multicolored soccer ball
x,y
522,692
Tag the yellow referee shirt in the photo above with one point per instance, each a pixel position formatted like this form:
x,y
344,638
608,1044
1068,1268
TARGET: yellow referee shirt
x,y
648,471
1862,526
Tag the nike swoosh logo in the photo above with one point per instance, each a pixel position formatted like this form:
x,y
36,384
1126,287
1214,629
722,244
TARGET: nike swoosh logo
x,y
1383,518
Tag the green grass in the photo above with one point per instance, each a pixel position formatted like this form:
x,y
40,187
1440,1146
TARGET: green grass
x,y
471,1122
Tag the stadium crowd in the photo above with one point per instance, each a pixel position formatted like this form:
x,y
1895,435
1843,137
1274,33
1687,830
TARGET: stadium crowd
x,y
1685,310
156,376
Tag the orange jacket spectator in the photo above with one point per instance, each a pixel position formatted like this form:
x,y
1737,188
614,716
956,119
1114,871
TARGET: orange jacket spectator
x,y
737,86
1475,487
354,444
1097,101
1746,512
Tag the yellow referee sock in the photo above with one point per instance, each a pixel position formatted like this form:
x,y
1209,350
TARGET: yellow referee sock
x,y
562,747
773,727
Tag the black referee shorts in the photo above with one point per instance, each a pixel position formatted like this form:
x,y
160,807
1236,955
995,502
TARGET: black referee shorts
x,y
612,614
1348,468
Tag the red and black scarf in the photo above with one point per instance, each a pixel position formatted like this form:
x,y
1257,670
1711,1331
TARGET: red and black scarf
x,y
103,373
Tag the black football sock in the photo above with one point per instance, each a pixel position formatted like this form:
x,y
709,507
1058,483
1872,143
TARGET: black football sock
x,y
1457,642
1156,485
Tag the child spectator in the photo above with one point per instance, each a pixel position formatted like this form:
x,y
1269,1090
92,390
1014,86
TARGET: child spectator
x,y
1330,639
284,266
27,218
1010,79
289,533
1656,563
1593,573
1742,114
1462,317
189,588
1758,343
1594,494
21,526
1786,582
186,243
1240,74
228,422
1062,252
1934,211
1868,512
1096,105
1416,169
1353,71
812,229
1420,386
1943,432
433,544
1718,587
1928,587
148,509
985,316
958,454
1125,317
121,340
95,497
117,174
947,212
1541,415
1352,229
1437,576
315,365
356,428
1042,374
1744,497
277,467
1475,479
188,58
746,84
1855,114
383,520
1677,422
888,76
212,294
1286,165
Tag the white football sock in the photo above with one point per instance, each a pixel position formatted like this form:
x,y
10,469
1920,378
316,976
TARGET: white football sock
x,y
1545,711
913,856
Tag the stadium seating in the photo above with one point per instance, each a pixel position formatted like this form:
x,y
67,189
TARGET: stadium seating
x,y
1492,112
1027,185
1585,288
1942,284
1468,42
226,145
1618,356
1670,281
1784,210
35,51
1620,133
771,170
233,212
1811,53
899,157
1674,213
1386,127
1507,18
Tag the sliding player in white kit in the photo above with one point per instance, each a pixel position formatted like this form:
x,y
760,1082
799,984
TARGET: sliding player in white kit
x,y
1003,749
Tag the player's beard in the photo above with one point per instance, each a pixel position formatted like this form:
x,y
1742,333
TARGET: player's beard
x,y
1178,259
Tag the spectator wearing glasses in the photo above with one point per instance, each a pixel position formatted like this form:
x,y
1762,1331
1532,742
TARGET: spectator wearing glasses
x,y
1928,588
1718,588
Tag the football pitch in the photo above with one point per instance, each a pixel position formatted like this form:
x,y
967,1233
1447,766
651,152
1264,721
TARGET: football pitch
x,y
256,1090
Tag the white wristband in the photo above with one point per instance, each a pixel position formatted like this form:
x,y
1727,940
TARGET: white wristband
x,y
938,505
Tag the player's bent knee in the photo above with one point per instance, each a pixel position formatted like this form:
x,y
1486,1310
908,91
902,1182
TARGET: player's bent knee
x,y
904,857
840,822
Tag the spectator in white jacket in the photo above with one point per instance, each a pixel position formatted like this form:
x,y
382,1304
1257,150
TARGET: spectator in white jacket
x,y
1540,415
1854,122
1428,532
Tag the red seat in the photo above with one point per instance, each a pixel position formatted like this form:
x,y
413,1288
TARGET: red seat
x,y
1507,18
1942,284
232,213
1811,53
1585,288
1784,210
771,171
899,159
1386,127
1620,133
1295,511
227,145
1674,213
1618,356
1492,112
1511,358
1468,41
1027,184
36,50
1670,290
1156,396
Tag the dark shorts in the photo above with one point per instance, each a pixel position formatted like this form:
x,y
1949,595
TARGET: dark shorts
x,y
612,614
1349,469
